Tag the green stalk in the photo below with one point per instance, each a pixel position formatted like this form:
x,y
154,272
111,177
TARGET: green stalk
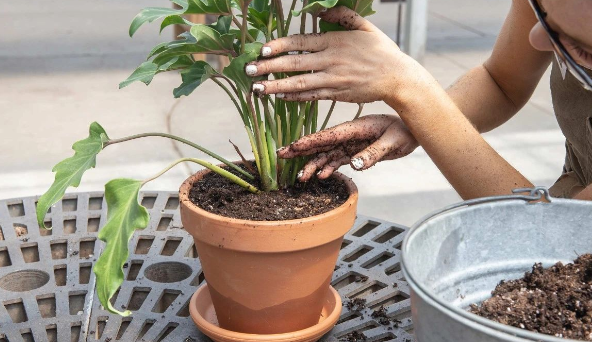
x,y
269,119
184,141
279,10
328,115
238,24
287,27
244,27
231,97
298,129
261,146
253,147
303,18
214,168
360,107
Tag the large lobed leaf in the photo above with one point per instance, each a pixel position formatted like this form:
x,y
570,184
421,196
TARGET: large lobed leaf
x,y
69,171
315,6
362,7
124,216
193,77
146,71
236,69
148,15
208,40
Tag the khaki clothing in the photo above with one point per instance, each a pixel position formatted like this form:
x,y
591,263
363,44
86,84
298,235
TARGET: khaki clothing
x,y
573,109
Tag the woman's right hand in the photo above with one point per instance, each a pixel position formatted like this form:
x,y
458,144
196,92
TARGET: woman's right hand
x,y
360,65
361,143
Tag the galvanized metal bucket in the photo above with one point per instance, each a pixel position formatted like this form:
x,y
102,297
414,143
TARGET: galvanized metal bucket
x,y
456,257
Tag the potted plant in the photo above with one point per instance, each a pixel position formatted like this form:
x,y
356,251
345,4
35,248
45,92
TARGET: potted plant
x,y
265,274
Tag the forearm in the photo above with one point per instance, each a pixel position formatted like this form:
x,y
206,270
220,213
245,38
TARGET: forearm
x,y
481,100
585,194
471,166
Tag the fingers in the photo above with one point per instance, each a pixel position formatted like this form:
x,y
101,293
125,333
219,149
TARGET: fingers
x,y
393,143
318,162
366,128
287,152
312,95
328,169
287,63
298,83
347,18
299,42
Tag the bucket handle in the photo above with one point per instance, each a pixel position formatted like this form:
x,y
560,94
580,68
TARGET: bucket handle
x,y
530,195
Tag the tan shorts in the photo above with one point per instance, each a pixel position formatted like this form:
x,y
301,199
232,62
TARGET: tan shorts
x,y
566,186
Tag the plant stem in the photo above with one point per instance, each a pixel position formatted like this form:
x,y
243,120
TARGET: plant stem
x,y
315,23
303,18
287,27
185,141
279,17
229,95
210,166
238,24
328,115
244,28
360,107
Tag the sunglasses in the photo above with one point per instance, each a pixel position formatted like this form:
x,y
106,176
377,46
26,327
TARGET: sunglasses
x,y
576,70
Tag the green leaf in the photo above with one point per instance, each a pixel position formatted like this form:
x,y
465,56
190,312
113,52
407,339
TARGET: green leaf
x,y
174,20
222,25
193,77
157,49
69,171
260,5
124,216
149,15
362,7
144,73
260,20
255,33
236,69
326,26
211,41
221,7
315,7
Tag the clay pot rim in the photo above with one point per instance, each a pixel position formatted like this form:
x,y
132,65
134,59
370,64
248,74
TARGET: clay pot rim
x,y
188,183
299,335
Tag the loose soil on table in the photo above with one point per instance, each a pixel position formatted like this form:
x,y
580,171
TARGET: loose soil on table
x,y
218,195
555,301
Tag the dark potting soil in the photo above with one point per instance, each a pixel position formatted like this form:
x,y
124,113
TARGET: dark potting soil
x,y
220,196
555,301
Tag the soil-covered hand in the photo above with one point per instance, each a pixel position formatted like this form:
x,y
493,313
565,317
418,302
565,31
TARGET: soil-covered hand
x,y
356,66
361,143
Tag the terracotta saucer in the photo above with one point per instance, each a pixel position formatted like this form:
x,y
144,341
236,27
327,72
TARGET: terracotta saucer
x,y
204,316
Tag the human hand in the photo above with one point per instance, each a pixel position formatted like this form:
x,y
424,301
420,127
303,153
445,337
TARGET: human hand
x,y
361,143
356,66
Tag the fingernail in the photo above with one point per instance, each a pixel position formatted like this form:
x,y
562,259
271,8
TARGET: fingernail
x,y
357,163
292,52
324,10
280,149
258,88
265,51
300,174
319,172
251,70
280,95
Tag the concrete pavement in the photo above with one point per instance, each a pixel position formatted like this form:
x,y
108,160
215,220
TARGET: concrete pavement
x,y
61,62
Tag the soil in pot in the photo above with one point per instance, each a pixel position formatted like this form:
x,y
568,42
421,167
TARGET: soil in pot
x,y
220,196
555,301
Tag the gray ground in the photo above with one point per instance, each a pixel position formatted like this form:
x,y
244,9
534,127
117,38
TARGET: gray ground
x,y
61,62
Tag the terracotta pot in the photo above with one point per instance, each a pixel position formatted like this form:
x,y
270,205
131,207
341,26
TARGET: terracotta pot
x,y
267,277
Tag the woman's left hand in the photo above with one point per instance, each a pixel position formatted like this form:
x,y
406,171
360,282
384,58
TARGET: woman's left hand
x,y
360,66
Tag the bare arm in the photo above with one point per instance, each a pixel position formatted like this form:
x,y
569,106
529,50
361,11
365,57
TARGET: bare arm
x,y
490,94
585,194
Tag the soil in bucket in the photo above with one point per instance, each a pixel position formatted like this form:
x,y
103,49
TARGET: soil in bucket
x,y
554,301
220,196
